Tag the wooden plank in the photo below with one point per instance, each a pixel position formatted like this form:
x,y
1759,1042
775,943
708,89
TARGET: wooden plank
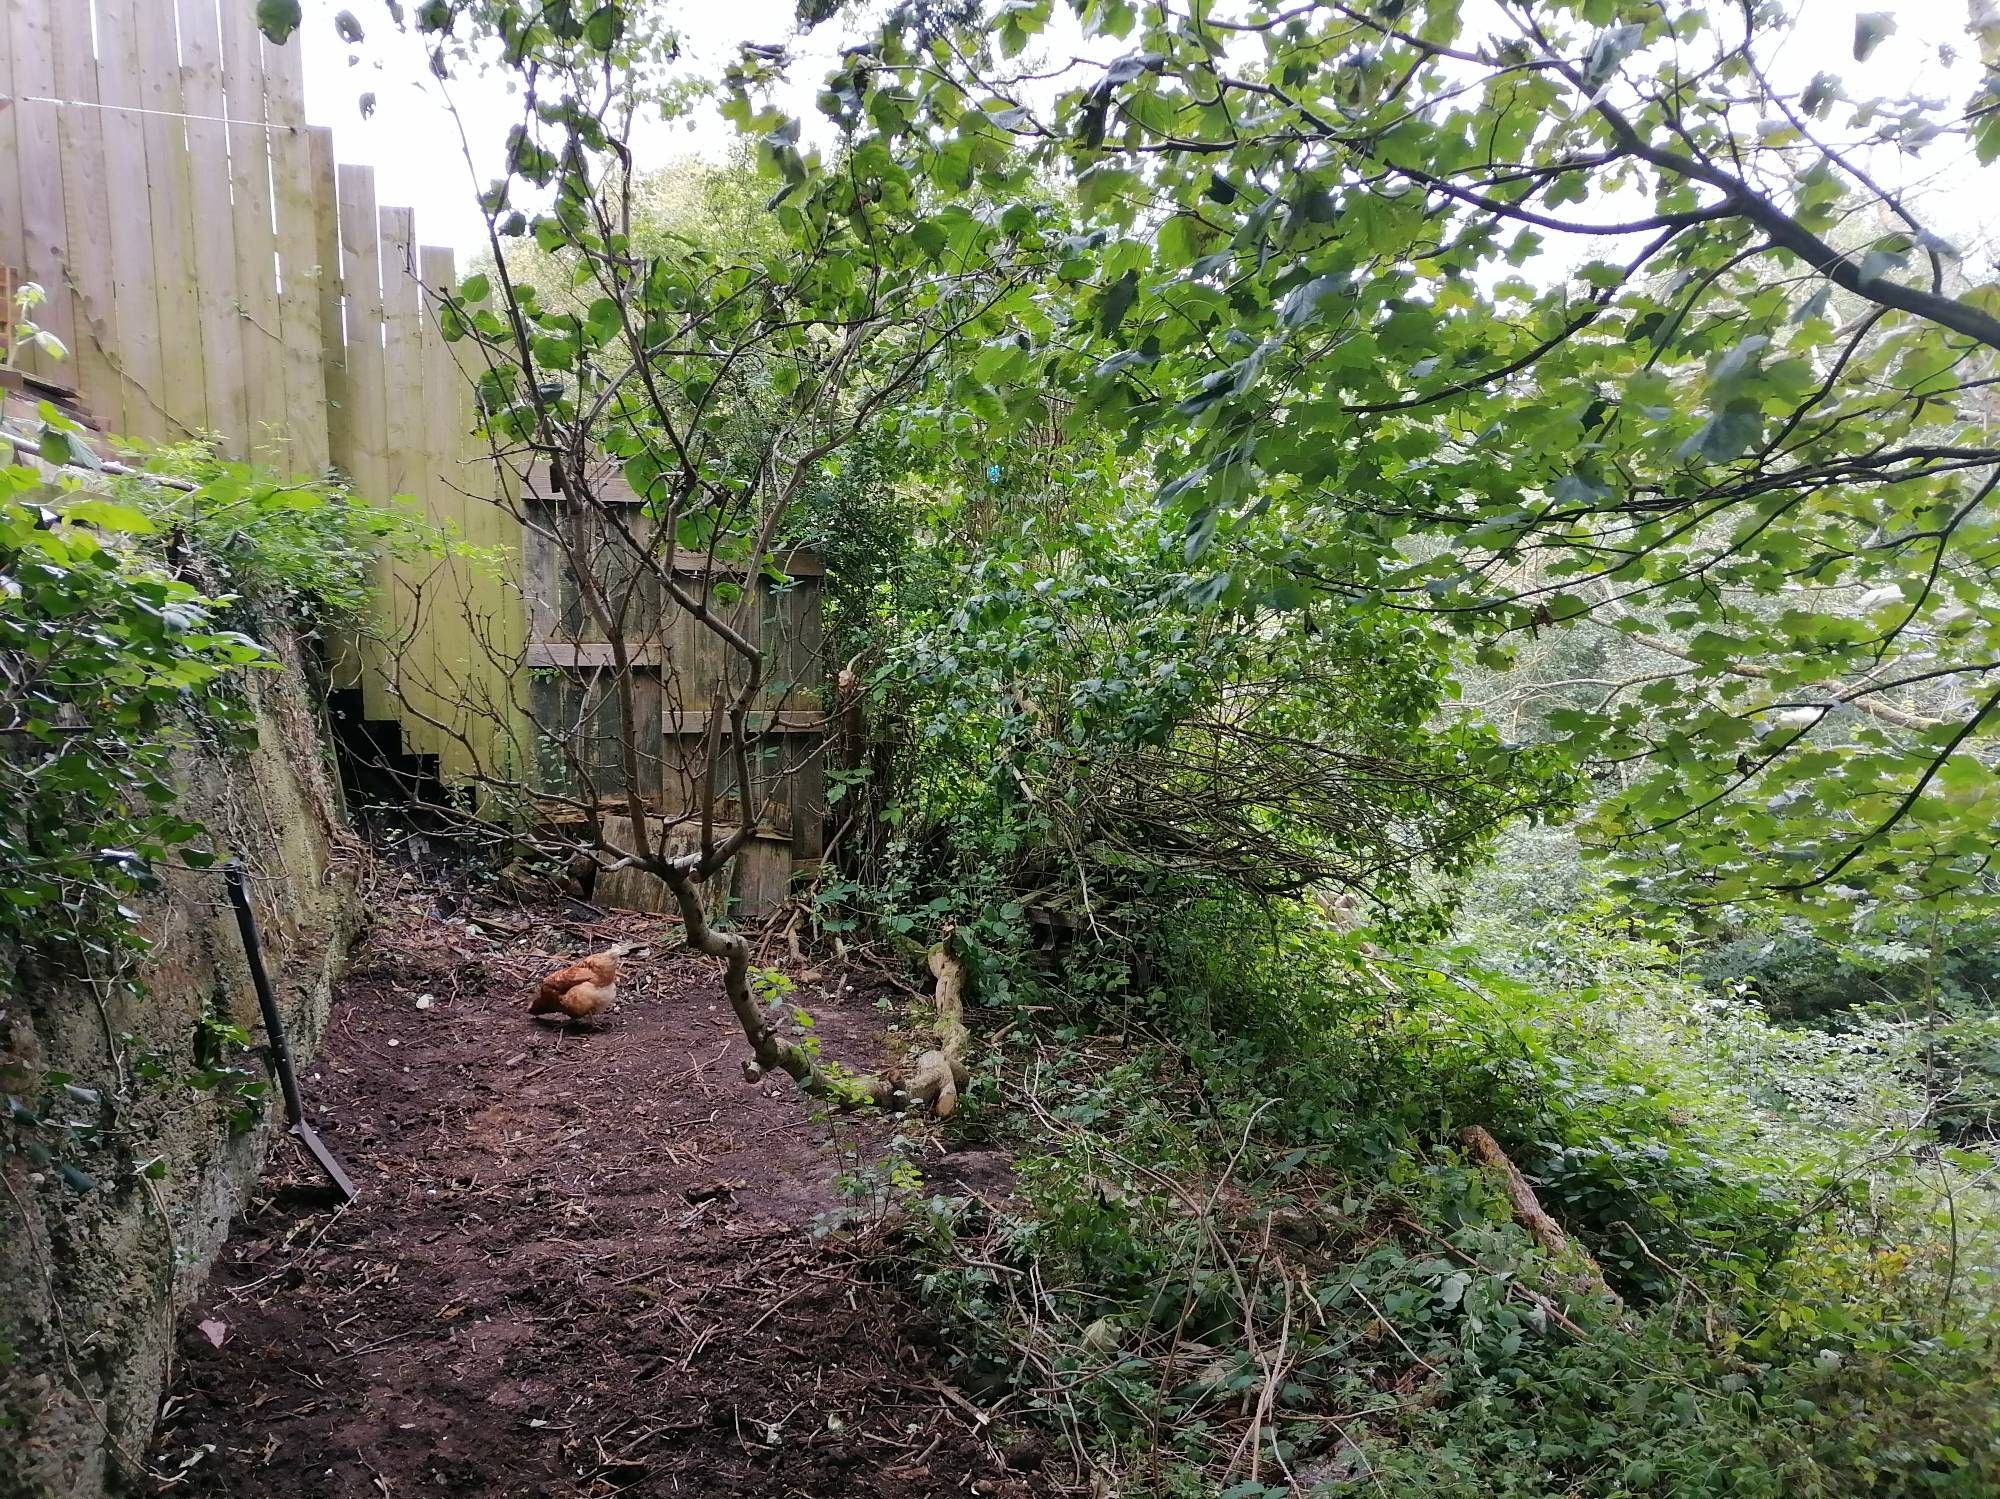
x,y
299,268
169,211
86,214
515,736
344,661
43,232
13,244
595,655
763,878
757,721
259,327
805,776
366,416
404,453
133,275
452,625
332,315
541,569
632,889
216,267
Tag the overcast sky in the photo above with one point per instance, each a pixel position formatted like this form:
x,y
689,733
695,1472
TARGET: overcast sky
x,y
413,144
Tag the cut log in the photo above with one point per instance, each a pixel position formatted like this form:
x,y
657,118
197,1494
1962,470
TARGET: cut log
x,y
1530,1214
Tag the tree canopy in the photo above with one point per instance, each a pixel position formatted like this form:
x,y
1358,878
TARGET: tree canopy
x,y
1568,319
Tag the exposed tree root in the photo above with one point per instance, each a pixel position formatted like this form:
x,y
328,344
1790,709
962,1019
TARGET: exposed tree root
x,y
940,1073
933,1082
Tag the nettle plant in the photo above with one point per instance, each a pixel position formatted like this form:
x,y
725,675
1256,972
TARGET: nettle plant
x,y
119,590
110,665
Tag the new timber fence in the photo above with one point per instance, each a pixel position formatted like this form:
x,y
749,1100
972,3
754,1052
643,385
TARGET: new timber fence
x,y
216,274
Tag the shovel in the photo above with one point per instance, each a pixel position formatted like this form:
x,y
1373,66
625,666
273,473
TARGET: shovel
x,y
281,1051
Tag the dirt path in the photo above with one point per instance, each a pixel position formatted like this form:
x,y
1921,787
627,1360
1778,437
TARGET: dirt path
x,y
582,1263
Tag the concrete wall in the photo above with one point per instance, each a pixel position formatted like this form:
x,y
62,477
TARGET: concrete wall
x,y
90,1282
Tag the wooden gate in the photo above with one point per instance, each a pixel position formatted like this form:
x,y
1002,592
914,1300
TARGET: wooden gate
x,y
682,676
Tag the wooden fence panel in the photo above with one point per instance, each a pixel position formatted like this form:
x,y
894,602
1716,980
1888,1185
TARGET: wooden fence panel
x,y
30,42
215,291
213,267
364,420
86,210
299,271
244,87
13,244
448,619
406,457
170,210
141,411
325,210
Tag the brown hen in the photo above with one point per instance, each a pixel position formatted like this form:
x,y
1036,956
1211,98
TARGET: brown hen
x,y
583,990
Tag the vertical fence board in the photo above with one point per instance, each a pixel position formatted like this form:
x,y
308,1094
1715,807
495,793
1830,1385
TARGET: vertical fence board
x,y
298,259
86,213
453,602
326,253
256,242
31,42
365,420
133,275
226,395
414,667
13,249
170,212
344,656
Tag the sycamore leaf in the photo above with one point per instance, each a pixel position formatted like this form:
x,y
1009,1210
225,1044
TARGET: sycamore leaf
x,y
1727,434
1117,302
1871,28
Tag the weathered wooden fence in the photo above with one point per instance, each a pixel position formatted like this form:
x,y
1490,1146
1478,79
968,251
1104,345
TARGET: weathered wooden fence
x,y
217,275
680,674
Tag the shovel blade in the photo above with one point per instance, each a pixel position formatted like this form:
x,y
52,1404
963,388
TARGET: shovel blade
x,y
316,1147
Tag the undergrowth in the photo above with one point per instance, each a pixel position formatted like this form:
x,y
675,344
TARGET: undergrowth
x,y
1245,1254
131,606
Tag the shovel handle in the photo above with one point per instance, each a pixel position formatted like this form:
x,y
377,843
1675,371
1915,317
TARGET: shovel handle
x,y
237,879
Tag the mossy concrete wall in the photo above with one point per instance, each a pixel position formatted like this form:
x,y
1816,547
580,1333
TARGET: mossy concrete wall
x,y
91,1281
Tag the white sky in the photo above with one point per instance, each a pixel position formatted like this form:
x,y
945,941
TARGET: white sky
x,y
413,144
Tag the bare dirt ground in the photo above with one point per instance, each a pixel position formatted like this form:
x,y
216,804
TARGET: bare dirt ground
x,y
583,1261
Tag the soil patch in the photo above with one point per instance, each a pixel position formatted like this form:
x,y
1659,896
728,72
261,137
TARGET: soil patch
x,y
584,1261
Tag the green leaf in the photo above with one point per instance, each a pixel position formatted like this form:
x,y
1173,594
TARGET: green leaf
x,y
1118,298
605,26
278,19
1870,30
110,515
77,1179
1728,434
59,445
